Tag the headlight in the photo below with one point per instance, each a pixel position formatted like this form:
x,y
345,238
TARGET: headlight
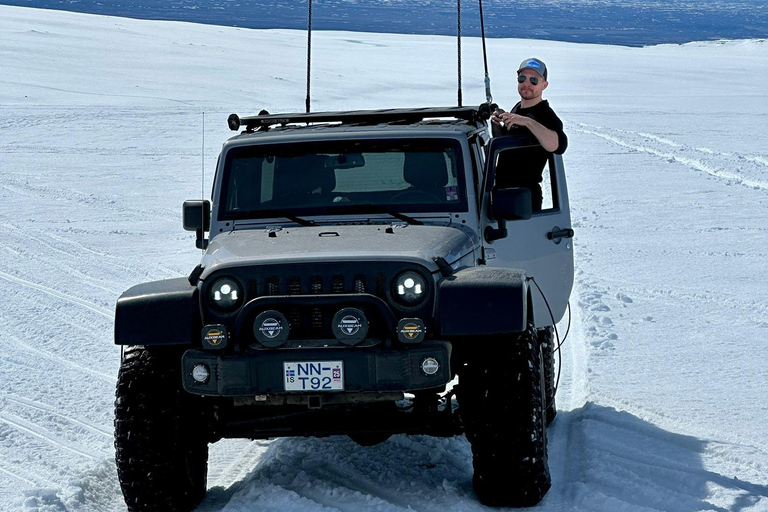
x,y
410,288
225,294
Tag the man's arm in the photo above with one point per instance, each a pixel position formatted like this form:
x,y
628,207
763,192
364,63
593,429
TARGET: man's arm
x,y
548,139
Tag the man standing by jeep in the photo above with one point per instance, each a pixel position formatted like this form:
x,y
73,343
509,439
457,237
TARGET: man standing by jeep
x,y
534,115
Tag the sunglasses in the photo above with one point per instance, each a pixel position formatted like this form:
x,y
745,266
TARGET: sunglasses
x,y
532,79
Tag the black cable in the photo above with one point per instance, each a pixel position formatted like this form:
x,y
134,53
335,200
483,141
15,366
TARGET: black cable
x,y
568,328
557,334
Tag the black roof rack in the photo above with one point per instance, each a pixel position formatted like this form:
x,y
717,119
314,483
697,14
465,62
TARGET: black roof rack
x,y
409,115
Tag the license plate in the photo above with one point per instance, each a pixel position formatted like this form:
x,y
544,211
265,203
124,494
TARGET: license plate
x,y
314,376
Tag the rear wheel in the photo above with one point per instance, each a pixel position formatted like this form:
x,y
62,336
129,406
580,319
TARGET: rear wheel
x,y
160,444
501,402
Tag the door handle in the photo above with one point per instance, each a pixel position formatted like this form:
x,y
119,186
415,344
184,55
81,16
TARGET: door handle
x,y
558,234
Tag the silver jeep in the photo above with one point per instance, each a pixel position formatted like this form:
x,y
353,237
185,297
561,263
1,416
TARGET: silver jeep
x,y
356,264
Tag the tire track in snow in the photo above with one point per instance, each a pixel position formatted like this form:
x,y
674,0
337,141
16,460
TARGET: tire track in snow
x,y
654,145
566,435
129,266
17,476
350,481
59,295
49,355
234,466
22,473
53,412
79,276
41,433
44,194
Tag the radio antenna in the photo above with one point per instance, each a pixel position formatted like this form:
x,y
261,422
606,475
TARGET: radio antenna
x,y
202,184
488,96
458,33
309,49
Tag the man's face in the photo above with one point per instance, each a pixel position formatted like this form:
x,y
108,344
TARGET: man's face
x,y
527,90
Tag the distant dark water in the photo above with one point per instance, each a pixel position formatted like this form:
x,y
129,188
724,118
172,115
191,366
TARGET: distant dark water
x,y
623,22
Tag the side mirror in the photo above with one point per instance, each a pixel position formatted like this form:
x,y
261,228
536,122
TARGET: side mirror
x,y
508,204
196,216
512,204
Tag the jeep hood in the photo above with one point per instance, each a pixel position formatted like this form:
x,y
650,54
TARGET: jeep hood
x,y
414,243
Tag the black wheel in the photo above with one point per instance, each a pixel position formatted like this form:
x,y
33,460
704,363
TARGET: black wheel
x,y
161,451
547,342
501,403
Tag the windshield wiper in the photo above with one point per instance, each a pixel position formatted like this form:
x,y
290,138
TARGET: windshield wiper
x,y
293,218
374,208
298,220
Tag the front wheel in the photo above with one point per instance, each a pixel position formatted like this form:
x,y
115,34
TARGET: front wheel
x,y
547,342
160,438
501,402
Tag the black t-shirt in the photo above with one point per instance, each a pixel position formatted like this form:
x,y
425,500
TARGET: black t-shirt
x,y
524,170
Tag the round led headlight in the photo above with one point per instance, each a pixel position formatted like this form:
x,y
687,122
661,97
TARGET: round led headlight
x,y
225,293
410,288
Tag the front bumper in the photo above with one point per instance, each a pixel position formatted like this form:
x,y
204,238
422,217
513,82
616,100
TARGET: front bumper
x,y
376,369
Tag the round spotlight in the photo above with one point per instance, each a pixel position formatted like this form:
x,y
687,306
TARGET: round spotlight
x,y
271,329
350,326
430,366
410,288
225,294
201,373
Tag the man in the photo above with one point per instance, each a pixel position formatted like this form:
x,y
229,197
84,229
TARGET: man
x,y
532,114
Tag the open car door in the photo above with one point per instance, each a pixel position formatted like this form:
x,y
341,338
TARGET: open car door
x,y
539,242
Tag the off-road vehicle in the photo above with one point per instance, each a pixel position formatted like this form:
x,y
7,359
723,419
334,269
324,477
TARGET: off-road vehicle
x,y
356,264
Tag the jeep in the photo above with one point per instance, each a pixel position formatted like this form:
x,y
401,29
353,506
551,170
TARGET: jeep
x,y
361,276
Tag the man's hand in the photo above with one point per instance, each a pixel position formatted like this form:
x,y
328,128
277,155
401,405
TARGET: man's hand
x,y
508,119
496,116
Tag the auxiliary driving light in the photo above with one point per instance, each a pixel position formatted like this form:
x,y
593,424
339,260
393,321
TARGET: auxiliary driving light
x,y
410,288
201,373
225,293
350,326
411,330
271,329
430,366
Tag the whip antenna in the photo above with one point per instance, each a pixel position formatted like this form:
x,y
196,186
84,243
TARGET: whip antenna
x,y
202,184
488,96
458,32
309,49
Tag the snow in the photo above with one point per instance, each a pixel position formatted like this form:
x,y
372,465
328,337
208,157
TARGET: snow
x,y
663,389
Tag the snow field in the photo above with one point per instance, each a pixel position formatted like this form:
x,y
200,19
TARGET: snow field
x,y
663,390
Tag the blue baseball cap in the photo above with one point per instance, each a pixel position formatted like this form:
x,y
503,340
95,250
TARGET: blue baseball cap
x,y
534,65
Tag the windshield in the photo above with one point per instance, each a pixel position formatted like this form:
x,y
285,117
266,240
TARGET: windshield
x,y
403,175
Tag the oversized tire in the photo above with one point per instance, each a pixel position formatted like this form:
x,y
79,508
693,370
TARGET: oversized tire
x,y
547,342
501,405
161,448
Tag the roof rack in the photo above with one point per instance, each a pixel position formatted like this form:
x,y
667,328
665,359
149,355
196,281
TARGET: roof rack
x,y
410,115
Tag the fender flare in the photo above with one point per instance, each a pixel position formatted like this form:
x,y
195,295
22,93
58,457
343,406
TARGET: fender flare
x,y
483,301
158,313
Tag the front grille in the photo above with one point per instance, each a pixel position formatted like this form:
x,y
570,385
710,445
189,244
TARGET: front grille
x,y
314,285
313,321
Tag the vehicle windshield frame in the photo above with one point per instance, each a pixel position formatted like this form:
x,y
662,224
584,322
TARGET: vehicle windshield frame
x,y
351,145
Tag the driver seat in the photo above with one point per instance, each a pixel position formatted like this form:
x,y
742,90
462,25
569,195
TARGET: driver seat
x,y
426,172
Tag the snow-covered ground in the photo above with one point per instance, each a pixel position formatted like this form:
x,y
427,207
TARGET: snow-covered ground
x,y
664,377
